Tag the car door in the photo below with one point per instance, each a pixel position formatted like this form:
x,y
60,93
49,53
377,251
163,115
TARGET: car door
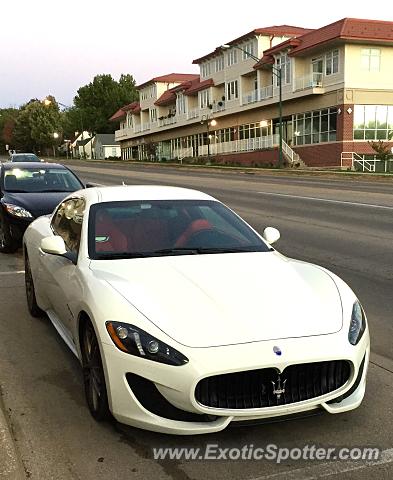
x,y
61,274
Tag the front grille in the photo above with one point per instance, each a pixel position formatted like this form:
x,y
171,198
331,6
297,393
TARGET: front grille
x,y
255,388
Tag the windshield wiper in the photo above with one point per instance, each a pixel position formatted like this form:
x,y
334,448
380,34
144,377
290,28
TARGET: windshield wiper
x,y
175,251
122,255
227,250
17,191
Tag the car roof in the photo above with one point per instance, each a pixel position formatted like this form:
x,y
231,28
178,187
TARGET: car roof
x,y
25,153
141,192
11,166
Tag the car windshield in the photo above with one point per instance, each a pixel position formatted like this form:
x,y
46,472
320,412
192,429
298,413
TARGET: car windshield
x,y
25,157
50,179
133,229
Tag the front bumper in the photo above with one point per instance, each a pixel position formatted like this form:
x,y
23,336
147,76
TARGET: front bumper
x,y
18,226
177,384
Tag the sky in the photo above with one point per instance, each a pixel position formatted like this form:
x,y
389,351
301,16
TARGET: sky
x,y
54,47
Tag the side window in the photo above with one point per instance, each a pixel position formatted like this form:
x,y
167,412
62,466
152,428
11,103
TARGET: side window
x,y
67,222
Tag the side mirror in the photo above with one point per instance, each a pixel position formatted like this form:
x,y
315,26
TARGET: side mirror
x,y
92,185
55,246
271,235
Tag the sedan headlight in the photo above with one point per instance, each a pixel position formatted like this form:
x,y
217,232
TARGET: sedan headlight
x,y
17,211
136,341
358,324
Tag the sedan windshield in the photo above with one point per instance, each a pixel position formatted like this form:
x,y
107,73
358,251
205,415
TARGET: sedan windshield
x,y
136,229
50,179
25,157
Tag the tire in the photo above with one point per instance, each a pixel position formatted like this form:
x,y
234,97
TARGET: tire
x,y
34,309
93,375
7,243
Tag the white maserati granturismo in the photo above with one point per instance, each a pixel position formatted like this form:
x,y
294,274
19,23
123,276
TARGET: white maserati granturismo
x,y
185,319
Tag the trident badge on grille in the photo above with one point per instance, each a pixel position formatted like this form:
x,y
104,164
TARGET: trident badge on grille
x,y
280,387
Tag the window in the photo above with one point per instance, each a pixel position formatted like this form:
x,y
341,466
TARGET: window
x,y
219,63
315,127
153,114
205,69
283,62
129,120
371,59
204,98
331,62
180,103
232,57
232,90
248,50
144,228
373,122
67,222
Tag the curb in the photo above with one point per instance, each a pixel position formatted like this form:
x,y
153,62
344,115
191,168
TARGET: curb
x,y
10,464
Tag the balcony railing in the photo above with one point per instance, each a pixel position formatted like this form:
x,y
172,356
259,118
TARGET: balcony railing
x,y
137,128
218,107
145,126
258,95
245,145
309,81
167,121
194,113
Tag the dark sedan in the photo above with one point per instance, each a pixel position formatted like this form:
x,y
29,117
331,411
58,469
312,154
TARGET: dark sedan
x,y
24,157
27,191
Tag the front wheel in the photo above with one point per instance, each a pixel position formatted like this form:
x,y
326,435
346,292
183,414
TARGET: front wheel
x,y
32,305
7,243
93,375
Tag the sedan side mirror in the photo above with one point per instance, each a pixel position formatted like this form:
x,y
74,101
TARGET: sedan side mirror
x,y
55,245
271,235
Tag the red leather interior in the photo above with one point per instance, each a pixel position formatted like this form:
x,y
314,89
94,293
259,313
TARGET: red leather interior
x,y
194,227
115,240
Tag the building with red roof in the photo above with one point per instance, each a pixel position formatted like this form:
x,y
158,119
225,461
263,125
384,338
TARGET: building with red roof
x,y
336,89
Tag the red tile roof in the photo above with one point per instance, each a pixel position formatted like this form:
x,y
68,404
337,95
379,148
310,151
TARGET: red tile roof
x,y
121,113
275,30
116,117
198,85
346,29
166,98
170,78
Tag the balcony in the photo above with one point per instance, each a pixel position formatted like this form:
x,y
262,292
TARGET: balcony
x,y
164,121
145,126
193,113
258,95
123,133
313,80
245,145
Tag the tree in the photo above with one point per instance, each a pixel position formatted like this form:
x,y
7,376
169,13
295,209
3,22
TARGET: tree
x,y
7,124
36,124
383,152
96,102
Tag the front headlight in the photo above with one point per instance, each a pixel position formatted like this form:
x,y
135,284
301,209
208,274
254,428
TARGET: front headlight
x,y
136,341
358,324
17,211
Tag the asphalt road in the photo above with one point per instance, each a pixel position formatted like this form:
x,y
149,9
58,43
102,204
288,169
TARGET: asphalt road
x,y
345,225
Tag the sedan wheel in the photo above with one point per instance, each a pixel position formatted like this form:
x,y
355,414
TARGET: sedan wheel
x,y
7,244
34,309
93,375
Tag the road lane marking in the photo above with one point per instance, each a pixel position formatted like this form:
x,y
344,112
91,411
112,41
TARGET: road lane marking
x,y
327,200
12,273
328,469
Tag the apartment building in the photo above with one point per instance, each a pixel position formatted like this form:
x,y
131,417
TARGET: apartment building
x,y
337,95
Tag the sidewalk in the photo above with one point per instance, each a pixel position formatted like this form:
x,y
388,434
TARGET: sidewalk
x,y
10,464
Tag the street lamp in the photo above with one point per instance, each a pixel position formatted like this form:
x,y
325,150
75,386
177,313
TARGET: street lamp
x,y
278,73
47,101
213,123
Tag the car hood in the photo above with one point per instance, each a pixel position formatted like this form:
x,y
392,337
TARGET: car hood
x,y
224,299
36,203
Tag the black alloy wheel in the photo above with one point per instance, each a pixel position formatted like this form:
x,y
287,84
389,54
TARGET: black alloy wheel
x,y
93,375
34,309
7,243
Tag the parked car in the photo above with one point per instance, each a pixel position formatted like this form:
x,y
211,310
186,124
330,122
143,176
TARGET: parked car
x,y
28,190
24,157
185,319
